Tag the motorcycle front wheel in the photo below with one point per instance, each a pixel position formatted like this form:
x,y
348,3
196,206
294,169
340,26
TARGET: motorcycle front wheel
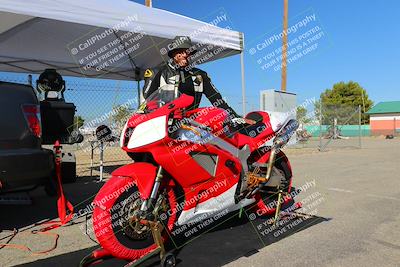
x,y
117,201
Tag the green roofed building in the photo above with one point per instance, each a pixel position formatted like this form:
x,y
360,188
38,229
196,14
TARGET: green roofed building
x,y
385,118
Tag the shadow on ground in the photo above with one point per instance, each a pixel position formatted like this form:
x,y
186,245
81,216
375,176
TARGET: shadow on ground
x,y
212,247
215,244
43,207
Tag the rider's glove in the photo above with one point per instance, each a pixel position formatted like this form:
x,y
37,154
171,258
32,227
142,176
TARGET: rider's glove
x,y
241,121
238,121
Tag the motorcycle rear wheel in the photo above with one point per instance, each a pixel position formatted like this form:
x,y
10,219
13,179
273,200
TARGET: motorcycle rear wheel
x,y
110,224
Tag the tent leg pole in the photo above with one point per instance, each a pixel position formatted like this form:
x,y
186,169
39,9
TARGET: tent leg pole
x,y
243,84
91,158
138,92
101,160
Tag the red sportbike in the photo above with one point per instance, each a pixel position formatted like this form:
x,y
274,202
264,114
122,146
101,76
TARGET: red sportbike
x,y
188,166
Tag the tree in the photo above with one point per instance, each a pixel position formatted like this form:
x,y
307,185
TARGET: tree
x,y
120,115
301,115
342,101
79,121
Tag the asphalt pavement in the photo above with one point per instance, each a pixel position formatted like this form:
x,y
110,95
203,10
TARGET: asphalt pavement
x,y
350,217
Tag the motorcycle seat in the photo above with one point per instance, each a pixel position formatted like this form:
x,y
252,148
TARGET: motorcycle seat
x,y
252,130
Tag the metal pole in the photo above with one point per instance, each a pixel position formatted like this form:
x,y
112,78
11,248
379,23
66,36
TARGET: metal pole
x,y
359,126
76,130
101,160
284,44
149,3
335,133
320,125
243,84
138,92
362,96
91,158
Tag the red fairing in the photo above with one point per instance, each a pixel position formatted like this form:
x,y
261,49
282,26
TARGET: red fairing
x,y
142,173
216,118
201,167
210,116
175,156
191,176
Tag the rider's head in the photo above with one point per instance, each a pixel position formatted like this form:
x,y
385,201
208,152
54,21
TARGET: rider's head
x,y
180,57
181,49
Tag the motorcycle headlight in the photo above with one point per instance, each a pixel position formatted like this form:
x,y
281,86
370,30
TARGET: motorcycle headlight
x,y
148,132
122,138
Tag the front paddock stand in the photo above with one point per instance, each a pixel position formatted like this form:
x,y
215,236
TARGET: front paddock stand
x,y
95,256
167,259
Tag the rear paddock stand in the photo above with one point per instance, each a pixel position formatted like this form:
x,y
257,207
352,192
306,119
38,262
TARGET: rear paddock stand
x,y
278,211
280,214
167,258
283,198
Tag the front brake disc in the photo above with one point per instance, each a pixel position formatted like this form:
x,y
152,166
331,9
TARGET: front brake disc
x,y
133,228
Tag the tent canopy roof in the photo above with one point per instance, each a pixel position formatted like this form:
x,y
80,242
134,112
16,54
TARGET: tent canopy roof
x,y
116,39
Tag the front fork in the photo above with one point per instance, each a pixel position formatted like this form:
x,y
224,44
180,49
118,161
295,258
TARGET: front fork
x,y
147,216
148,205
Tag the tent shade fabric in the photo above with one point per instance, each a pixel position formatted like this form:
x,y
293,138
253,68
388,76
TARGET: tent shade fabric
x,y
116,39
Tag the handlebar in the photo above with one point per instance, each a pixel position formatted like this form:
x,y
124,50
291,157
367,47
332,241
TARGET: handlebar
x,y
197,124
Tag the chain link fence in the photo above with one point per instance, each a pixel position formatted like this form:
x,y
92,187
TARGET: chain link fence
x,y
340,126
111,103
98,102
334,127
101,102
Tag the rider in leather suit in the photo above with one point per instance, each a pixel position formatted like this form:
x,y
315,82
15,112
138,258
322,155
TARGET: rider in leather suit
x,y
190,81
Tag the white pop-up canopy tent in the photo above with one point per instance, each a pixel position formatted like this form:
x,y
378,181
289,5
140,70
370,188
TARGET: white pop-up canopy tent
x,y
115,39
39,34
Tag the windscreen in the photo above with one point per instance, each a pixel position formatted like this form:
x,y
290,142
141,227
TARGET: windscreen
x,y
159,98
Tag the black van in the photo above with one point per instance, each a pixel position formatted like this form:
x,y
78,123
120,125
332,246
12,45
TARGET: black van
x,y
23,161
25,125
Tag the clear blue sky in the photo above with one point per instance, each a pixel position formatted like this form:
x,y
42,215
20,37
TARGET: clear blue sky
x,y
363,45
360,43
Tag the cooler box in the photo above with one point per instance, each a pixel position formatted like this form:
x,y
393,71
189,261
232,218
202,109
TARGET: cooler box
x,y
57,121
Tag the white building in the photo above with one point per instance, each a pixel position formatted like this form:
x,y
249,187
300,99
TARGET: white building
x,y
281,106
277,101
